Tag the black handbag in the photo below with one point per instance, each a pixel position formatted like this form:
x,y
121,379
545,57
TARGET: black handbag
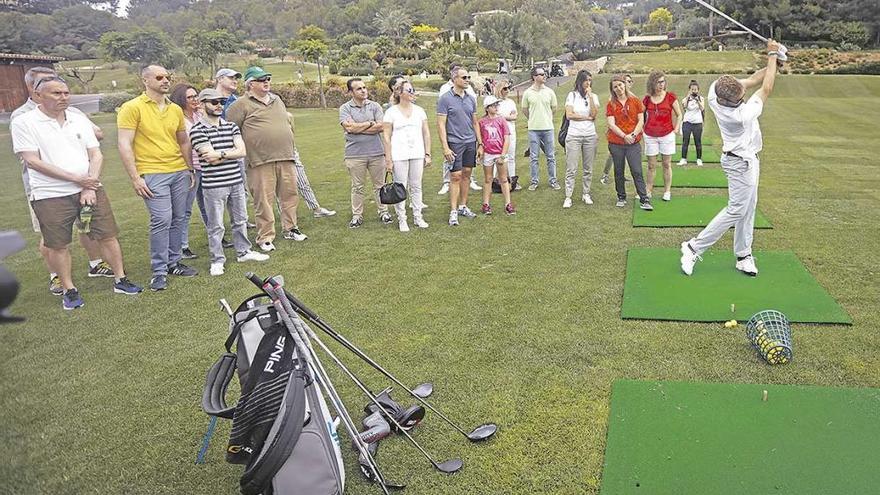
x,y
392,192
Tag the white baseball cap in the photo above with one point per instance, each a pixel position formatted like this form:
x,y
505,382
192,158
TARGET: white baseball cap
x,y
490,100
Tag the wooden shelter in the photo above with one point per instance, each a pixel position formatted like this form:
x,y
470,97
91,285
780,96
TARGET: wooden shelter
x,y
13,92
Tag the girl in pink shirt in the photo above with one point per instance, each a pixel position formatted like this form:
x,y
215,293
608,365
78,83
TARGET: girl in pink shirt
x,y
495,136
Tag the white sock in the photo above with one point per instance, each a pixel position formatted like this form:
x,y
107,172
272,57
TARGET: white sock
x,y
52,275
95,262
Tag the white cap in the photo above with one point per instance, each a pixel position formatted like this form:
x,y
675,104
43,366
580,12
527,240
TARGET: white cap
x,y
490,100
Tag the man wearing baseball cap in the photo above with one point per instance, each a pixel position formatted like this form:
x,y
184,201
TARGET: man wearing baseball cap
x,y
226,82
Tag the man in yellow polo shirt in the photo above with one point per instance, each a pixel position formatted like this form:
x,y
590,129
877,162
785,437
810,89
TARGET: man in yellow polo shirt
x,y
156,154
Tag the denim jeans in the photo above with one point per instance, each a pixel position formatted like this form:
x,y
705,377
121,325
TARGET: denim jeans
x,y
167,209
216,200
544,141
194,194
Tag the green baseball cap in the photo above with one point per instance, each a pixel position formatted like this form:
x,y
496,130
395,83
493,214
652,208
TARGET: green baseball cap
x,y
255,72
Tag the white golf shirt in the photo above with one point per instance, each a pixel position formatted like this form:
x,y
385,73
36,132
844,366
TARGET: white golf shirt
x,y
740,131
65,146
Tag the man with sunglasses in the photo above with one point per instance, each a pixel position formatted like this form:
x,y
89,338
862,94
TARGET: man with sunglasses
x,y
447,167
219,146
97,266
741,141
267,130
361,120
157,156
226,82
538,105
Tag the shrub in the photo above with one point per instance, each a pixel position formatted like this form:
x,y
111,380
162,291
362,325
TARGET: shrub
x,y
111,101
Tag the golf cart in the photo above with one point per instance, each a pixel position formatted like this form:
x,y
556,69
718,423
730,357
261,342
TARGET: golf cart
x,y
557,69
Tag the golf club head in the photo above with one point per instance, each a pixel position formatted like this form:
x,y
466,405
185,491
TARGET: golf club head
x,y
424,390
450,466
224,305
482,432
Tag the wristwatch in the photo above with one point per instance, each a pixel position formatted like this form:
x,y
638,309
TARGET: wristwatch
x,y
222,154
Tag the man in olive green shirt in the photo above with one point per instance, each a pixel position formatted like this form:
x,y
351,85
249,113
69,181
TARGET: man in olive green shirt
x,y
268,137
538,104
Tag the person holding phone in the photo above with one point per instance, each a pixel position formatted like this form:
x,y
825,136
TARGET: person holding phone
x,y
694,108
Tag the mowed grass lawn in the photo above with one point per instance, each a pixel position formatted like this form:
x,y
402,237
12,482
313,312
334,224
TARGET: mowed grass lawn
x,y
515,319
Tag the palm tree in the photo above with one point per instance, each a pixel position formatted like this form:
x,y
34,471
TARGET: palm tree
x,y
392,22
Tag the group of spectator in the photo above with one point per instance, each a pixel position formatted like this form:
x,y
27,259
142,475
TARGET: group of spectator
x,y
181,147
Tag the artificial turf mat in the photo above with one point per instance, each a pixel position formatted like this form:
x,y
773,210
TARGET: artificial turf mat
x,y
709,176
720,439
711,154
656,289
686,211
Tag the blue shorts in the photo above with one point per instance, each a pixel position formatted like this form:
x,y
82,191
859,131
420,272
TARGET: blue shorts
x,y
465,155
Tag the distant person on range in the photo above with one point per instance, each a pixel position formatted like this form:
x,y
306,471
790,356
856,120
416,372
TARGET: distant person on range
x,y
581,142
447,167
271,172
538,105
662,123
507,109
694,107
157,156
741,141
62,153
609,162
97,266
185,96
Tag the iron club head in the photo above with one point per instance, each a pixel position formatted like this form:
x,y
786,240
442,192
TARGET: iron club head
x,y
482,432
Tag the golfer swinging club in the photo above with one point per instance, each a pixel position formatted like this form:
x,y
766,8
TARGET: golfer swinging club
x,y
741,143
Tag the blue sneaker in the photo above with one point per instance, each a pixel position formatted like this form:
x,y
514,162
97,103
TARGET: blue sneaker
x,y
157,283
71,300
124,286
182,270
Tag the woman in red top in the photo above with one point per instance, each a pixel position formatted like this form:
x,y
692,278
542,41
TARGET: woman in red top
x,y
625,115
662,123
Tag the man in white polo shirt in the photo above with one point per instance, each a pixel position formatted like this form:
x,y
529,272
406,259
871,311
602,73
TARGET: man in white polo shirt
x,y
64,164
97,266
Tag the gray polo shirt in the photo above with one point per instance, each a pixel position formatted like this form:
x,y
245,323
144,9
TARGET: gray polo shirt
x,y
459,112
362,145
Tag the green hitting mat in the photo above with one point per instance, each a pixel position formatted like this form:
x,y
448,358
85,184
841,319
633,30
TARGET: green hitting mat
x,y
656,289
686,211
709,176
673,438
710,154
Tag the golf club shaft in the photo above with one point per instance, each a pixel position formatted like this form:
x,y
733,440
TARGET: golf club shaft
x,y
731,19
299,307
276,295
310,333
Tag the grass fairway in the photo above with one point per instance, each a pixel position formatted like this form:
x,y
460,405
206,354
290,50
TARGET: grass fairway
x,y
515,320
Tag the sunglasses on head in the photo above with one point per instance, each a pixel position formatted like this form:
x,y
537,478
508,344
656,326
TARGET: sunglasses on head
x,y
264,79
216,102
48,79
163,77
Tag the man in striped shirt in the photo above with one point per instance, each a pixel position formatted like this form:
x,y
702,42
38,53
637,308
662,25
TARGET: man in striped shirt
x,y
220,146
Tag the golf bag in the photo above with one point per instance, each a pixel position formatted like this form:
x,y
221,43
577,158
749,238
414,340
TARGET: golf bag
x,y
281,427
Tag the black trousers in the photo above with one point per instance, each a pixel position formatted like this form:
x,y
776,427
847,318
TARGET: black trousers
x,y
686,130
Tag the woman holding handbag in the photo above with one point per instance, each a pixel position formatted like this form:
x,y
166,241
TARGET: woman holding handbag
x,y
407,150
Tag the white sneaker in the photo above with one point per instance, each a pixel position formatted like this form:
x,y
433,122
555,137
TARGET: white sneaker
x,y
620,203
267,246
682,162
566,203
321,212
464,211
443,189
453,218
420,223
604,179
404,227
747,266
688,258
217,269
699,162
587,199
252,256
475,186
667,196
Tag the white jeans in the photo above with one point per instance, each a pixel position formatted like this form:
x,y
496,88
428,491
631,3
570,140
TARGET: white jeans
x,y
742,191
409,173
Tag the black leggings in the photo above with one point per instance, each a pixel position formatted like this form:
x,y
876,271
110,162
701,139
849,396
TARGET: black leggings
x,y
686,130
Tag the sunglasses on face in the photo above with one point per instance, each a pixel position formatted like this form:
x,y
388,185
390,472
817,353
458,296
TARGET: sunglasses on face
x,y
540,74
465,77
164,77
48,79
411,91
505,88
216,102
263,79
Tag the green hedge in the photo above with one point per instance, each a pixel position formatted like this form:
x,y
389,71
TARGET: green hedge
x,y
111,101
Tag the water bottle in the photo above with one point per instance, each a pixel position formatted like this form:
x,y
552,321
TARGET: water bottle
x,y
85,219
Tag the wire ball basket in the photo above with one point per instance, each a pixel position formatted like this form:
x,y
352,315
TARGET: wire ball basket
x,y
769,332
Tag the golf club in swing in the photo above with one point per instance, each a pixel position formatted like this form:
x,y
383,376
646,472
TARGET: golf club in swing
x,y
479,433
323,380
782,53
